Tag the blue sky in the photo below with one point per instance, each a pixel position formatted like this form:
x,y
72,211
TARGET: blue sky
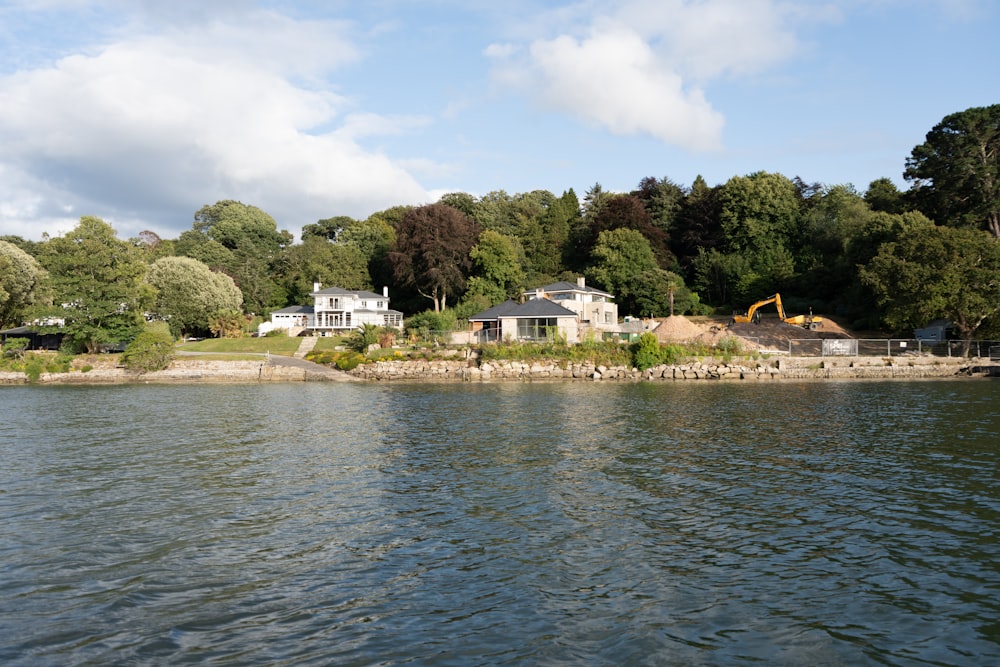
x,y
142,111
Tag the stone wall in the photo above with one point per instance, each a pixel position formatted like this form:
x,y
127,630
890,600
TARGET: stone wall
x,y
179,372
789,368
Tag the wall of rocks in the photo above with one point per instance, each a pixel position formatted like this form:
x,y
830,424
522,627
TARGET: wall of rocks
x,y
789,368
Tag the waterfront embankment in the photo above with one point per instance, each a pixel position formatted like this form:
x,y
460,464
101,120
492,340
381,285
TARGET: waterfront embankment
x,y
286,369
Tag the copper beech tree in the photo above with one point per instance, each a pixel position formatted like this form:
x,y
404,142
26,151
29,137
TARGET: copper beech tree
x,y
431,254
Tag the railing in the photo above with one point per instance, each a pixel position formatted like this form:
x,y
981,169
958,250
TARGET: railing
x,y
887,347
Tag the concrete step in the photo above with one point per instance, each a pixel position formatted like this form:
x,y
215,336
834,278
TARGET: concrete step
x,y
306,346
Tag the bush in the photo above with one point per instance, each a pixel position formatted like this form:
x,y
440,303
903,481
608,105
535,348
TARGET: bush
x,y
348,361
646,351
15,348
152,350
430,326
364,337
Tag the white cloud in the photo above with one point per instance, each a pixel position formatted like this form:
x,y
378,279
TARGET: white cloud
x,y
642,67
157,126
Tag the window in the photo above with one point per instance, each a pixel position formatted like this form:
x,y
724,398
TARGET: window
x,y
607,318
536,328
364,304
379,305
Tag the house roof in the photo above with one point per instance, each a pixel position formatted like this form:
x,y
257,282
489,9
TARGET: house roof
x,y
294,310
495,312
337,291
532,308
566,286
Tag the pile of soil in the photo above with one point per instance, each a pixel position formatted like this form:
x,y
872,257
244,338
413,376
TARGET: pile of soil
x,y
677,329
773,333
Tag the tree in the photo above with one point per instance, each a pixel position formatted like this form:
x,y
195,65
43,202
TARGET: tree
x,y
97,282
329,229
696,227
318,260
955,173
497,273
432,251
882,195
759,211
188,293
662,199
938,272
21,279
152,350
620,256
252,237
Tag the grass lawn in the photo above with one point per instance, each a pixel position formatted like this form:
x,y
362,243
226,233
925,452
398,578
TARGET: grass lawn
x,y
280,345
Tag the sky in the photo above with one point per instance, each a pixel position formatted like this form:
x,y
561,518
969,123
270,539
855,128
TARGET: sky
x,y
140,112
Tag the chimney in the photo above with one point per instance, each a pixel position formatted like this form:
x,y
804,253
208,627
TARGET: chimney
x,y
581,282
316,286
385,291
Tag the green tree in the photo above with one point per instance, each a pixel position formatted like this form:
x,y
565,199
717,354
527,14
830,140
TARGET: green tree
x,y
955,173
97,282
188,293
318,260
759,211
620,256
496,268
152,350
329,229
432,252
696,227
659,293
255,244
938,272
883,195
21,280
662,199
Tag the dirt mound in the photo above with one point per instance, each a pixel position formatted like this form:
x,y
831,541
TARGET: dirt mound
x,y
677,328
775,334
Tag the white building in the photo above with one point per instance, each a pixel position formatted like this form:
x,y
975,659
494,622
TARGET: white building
x,y
336,311
573,312
596,309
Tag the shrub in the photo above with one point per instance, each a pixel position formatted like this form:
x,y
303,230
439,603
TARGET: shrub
x,y
348,361
646,351
430,326
364,337
152,350
15,347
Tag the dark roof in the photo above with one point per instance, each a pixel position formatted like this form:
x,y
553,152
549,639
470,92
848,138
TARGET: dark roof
x,y
294,310
532,308
566,286
495,312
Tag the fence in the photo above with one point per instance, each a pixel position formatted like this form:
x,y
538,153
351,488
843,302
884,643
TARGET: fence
x,y
888,347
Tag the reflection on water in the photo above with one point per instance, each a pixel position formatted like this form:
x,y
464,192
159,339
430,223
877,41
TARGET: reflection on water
x,y
501,524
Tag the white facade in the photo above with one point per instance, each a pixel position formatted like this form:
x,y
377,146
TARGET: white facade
x,y
597,309
337,311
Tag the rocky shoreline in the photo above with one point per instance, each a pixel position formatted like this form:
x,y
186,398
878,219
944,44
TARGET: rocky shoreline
x,y
277,369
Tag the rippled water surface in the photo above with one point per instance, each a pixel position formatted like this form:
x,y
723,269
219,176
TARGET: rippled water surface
x,y
824,523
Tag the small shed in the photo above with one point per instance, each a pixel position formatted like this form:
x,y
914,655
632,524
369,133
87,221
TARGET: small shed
x,y
935,332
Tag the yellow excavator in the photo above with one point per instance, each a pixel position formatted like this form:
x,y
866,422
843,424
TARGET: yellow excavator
x,y
809,321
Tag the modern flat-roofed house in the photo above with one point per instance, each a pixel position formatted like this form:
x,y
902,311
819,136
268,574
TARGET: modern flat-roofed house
x,y
564,310
337,311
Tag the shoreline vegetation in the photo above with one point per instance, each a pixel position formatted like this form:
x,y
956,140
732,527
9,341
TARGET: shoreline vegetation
x,y
468,365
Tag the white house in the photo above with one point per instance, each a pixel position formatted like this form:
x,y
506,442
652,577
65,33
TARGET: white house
x,y
596,309
336,311
564,309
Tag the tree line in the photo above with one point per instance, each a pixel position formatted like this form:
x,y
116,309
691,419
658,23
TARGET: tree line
x,y
878,259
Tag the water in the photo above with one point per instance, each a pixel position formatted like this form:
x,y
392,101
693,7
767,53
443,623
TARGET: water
x,y
690,523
